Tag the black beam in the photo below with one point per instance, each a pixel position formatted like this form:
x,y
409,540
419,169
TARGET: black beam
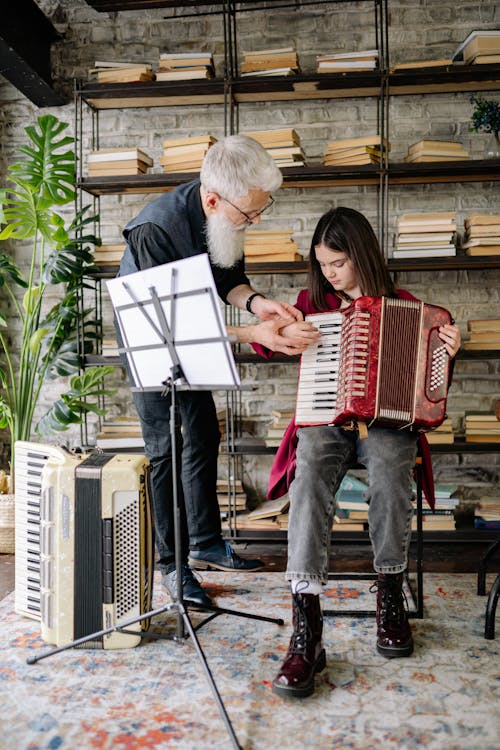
x,y
26,35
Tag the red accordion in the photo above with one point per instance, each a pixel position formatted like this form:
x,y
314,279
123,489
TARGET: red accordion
x,y
380,361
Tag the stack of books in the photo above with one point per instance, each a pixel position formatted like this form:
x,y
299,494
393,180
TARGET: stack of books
x,y
231,496
442,434
270,62
429,150
185,66
283,145
442,518
271,246
352,508
346,61
484,334
426,235
109,347
120,72
487,513
271,515
277,428
108,255
482,234
480,47
481,427
185,154
118,161
120,433
367,149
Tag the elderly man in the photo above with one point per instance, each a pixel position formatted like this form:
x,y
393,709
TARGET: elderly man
x,y
205,216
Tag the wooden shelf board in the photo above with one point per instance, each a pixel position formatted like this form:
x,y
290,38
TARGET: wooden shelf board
x,y
257,447
313,175
452,79
457,262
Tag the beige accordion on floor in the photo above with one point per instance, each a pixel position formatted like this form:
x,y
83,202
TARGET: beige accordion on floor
x,y
95,546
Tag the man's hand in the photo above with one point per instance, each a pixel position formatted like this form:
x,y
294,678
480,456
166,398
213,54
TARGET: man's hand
x,y
266,309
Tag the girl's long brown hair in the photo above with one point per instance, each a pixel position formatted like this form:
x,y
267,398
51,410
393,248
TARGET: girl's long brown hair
x,y
348,231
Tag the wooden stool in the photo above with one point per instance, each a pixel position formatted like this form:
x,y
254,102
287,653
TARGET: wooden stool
x,y
416,595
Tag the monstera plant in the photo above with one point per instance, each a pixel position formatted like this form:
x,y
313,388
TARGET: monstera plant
x,y
41,342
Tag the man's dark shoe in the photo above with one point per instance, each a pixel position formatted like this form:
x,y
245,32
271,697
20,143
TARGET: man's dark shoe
x,y
222,557
394,638
306,655
192,593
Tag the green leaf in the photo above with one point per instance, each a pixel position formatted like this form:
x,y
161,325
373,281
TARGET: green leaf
x,y
48,172
36,340
10,272
83,396
30,299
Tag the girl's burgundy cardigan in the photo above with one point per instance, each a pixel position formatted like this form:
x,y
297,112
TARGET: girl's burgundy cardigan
x,y
283,468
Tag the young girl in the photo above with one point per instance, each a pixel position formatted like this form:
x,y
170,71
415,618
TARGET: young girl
x,y
345,263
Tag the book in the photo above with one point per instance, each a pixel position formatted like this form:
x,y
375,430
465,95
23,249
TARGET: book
x,y
332,65
483,59
431,237
481,45
428,218
119,154
472,37
116,64
275,138
270,508
486,335
475,218
189,141
271,72
483,324
429,145
360,55
439,63
125,75
275,258
182,74
364,140
425,252
115,441
332,161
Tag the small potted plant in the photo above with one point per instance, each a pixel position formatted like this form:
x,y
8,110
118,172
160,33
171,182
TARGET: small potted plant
x,y
45,342
486,119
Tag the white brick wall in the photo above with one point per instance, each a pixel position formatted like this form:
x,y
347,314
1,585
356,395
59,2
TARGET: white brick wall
x,y
418,30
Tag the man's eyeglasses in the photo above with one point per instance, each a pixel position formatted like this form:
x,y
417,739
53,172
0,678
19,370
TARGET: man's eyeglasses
x,y
250,218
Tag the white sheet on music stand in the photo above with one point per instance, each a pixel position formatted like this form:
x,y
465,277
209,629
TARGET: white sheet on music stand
x,y
196,318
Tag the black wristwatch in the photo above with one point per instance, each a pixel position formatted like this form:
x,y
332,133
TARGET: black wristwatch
x,y
249,301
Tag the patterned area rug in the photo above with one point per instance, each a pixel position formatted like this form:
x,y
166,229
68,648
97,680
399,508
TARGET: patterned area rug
x,y
445,697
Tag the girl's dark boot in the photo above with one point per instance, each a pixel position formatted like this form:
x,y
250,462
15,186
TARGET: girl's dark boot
x,y
393,629
306,654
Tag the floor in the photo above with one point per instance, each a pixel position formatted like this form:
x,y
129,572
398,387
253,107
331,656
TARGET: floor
x,y
356,558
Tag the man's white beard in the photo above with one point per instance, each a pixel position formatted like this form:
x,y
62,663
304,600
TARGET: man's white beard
x,y
225,242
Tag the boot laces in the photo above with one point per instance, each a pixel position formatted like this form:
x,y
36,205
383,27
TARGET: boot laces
x,y
394,600
302,632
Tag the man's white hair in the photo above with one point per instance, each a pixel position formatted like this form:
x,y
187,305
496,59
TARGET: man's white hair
x,y
237,164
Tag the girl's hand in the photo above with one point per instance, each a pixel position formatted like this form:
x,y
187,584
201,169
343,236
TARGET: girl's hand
x,y
450,336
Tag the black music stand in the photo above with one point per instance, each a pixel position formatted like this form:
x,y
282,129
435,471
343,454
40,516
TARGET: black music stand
x,y
136,302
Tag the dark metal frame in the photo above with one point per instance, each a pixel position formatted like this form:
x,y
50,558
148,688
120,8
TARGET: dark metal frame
x,y
416,595
491,604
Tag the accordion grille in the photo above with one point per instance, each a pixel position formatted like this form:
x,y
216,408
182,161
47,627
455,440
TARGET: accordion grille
x,y
127,560
398,361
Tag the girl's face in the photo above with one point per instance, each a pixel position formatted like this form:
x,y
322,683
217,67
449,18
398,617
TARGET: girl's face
x,y
338,270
